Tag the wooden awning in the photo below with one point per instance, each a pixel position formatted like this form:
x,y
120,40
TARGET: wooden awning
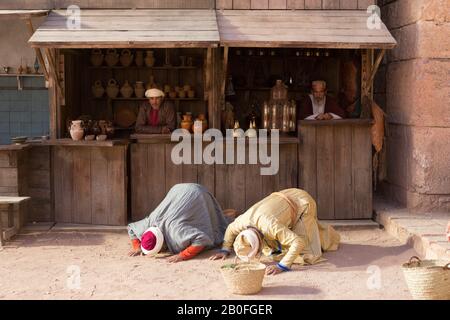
x,y
301,28
22,14
129,28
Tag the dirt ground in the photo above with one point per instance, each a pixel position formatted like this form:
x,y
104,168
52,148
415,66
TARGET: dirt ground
x,y
44,265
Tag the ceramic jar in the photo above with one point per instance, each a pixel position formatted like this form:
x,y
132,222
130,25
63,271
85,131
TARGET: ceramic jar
x,y
112,90
112,57
127,90
97,57
237,131
139,89
172,94
97,89
76,130
186,123
182,94
150,59
126,58
279,91
151,84
139,59
251,131
191,94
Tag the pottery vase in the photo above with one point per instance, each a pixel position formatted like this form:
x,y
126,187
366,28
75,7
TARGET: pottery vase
x,y
97,57
186,123
139,89
97,89
76,130
112,90
279,91
139,59
112,57
191,94
151,84
126,91
150,59
126,58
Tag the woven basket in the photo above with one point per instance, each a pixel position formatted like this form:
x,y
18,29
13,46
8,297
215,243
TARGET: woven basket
x,y
427,279
243,278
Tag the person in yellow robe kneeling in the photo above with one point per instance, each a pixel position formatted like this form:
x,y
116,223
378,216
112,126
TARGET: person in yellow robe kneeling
x,y
283,225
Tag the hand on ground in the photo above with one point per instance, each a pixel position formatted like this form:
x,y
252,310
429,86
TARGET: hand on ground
x,y
134,253
273,270
175,258
217,256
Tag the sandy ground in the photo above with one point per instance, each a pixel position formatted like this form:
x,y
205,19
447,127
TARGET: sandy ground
x,y
44,266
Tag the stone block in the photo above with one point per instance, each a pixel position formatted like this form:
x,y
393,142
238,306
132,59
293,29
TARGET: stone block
x,y
348,4
241,4
313,4
224,4
296,4
330,4
277,4
417,92
259,4
364,4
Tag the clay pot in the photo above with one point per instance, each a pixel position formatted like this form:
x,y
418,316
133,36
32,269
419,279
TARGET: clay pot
x,y
126,58
112,57
126,91
150,59
237,132
186,87
251,131
151,83
172,94
139,60
167,88
76,130
182,94
201,117
139,89
97,57
191,94
186,123
112,90
97,89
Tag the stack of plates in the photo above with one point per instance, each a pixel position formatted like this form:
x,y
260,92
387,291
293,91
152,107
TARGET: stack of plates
x,y
19,140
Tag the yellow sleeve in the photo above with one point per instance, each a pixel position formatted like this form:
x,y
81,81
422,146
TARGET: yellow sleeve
x,y
286,237
232,232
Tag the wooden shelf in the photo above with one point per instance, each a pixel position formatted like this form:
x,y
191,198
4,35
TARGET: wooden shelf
x,y
83,143
21,75
144,68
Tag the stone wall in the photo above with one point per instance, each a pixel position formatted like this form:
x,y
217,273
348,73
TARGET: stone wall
x,y
413,86
294,4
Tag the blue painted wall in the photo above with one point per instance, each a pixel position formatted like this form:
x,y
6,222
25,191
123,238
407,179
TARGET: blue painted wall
x,y
23,113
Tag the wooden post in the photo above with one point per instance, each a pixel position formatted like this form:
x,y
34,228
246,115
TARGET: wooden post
x,y
52,63
29,23
224,73
380,56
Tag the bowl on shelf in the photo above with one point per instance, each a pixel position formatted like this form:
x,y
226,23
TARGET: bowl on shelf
x,y
102,137
19,140
89,137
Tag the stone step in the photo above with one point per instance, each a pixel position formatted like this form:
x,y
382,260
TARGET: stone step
x,y
70,227
352,224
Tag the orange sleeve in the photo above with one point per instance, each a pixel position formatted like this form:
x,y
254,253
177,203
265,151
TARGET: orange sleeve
x,y
191,252
136,244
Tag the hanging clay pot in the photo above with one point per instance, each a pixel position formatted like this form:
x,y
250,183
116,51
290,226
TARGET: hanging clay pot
x,y
112,90
97,89
126,91
112,57
97,57
139,59
126,58
139,89
150,59
76,130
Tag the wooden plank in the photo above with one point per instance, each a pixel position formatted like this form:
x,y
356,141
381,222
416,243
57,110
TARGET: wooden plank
x,y
288,171
63,183
236,184
259,4
330,4
313,4
362,173
39,179
277,4
307,160
348,4
253,184
39,158
100,185
157,173
224,4
139,178
8,159
241,4
206,176
296,4
325,172
270,183
174,172
343,189
8,177
117,186
82,201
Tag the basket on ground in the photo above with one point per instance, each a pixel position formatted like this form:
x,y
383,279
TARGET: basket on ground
x,y
243,278
427,279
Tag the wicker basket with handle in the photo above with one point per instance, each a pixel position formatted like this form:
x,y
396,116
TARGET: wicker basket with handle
x,y
427,279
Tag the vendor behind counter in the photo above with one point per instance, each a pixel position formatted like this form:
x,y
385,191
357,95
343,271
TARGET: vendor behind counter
x,y
156,115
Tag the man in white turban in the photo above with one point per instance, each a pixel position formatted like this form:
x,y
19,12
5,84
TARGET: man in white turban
x,y
156,115
283,225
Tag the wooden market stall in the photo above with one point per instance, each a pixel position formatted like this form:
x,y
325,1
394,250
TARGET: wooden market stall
x,y
124,177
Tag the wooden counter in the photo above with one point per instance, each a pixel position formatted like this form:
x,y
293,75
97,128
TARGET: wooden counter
x,y
90,182
235,186
335,167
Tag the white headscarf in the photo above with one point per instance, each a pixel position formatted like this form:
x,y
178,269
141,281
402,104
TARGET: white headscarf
x,y
154,93
246,244
159,241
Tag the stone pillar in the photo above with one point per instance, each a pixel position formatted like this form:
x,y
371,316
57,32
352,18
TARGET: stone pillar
x,y
414,87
